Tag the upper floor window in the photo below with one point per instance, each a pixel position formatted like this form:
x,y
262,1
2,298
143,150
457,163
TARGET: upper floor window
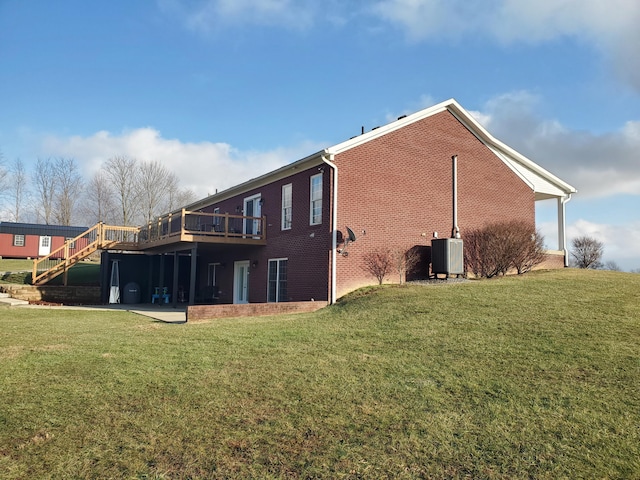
x,y
18,240
216,219
315,213
286,206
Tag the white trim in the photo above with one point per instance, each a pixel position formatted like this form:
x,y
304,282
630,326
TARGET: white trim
x,y
521,165
215,266
16,236
334,228
278,260
255,200
508,155
44,245
311,199
282,207
241,297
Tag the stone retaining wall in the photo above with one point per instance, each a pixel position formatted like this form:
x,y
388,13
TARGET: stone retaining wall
x,y
80,295
208,312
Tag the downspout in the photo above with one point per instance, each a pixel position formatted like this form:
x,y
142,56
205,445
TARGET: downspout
x,y
334,225
562,227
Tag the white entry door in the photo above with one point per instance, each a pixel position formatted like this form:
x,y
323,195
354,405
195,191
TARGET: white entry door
x,y
44,247
241,282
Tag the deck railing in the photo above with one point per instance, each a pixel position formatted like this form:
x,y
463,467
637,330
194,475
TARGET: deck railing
x,y
185,224
100,236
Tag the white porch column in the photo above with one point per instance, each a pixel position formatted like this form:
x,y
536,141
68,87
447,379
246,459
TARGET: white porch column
x,y
562,237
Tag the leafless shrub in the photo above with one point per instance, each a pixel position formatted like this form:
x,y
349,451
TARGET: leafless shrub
x,y
404,261
378,263
499,247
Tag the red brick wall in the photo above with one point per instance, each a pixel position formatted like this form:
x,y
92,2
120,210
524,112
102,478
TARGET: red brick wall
x,y
306,247
206,312
399,186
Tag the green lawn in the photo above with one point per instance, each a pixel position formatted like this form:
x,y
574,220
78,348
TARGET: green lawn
x,y
15,265
523,377
19,271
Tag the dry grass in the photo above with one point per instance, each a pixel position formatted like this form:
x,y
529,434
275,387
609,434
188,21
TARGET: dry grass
x,y
529,377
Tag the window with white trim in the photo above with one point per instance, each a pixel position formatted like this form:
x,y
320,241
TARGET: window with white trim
x,y
212,274
18,240
286,206
277,282
72,245
315,204
216,220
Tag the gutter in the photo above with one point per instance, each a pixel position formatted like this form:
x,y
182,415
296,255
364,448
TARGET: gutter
x,y
334,224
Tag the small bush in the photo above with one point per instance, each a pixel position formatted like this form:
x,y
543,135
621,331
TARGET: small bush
x,y
502,246
378,263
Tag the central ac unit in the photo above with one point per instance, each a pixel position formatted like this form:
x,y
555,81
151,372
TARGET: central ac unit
x,y
447,256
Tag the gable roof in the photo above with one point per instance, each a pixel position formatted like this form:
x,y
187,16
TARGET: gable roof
x,y
542,182
40,229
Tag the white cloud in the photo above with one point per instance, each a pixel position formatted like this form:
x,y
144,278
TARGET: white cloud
x,y
609,26
621,242
598,165
202,167
206,16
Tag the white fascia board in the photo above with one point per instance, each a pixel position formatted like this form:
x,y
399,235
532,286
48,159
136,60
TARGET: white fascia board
x,y
507,154
270,177
513,159
388,128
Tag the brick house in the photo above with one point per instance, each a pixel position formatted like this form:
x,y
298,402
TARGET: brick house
x,y
280,237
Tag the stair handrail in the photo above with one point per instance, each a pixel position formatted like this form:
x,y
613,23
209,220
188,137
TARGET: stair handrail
x,y
64,248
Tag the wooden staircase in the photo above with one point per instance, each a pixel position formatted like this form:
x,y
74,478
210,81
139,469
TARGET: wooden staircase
x,y
98,237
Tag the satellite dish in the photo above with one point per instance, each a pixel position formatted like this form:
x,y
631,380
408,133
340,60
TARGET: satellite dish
x,y
350,238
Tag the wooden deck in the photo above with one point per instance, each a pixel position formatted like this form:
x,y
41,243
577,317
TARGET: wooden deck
x,y
176,230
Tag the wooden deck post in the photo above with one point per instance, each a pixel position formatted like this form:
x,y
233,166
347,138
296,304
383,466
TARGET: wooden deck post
x,y
174,287
192,280
65,274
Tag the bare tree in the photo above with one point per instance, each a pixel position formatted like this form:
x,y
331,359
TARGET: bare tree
x,y
611,265
4,175
378,263
121,173
177,197
68,189
17,188
153,182
99,202
586,252
44,179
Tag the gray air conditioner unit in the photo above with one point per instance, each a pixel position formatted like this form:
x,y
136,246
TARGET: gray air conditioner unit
x,y
447,256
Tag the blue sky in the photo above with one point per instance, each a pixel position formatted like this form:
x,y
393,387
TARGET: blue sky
x,y
224,90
